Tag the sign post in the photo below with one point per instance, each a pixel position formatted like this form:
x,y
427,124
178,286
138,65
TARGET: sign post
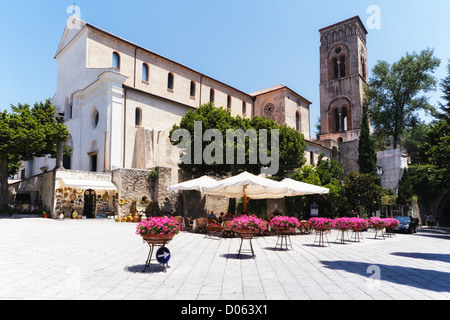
x,y
163,256
314,210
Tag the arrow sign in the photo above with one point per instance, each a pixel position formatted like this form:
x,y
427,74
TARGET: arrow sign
x,y
163,255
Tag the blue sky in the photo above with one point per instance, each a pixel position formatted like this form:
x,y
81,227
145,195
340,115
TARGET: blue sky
x,y
248,44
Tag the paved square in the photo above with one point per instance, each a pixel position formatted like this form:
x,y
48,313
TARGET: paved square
x,y
102,259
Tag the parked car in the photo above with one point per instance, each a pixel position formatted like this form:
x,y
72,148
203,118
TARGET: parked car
x,y
407,224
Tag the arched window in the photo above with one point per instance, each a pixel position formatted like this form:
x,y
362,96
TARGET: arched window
x,y
229,102
342,66
335,69
192,89
138,117
244,108
363,68
145,72
116,60
170,81
212,95
336,120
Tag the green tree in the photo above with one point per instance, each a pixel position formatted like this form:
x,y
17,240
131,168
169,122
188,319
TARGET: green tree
x,y
326,174
291,143
367,156
437,146
419,181
25,133
363,191
394,92
413,141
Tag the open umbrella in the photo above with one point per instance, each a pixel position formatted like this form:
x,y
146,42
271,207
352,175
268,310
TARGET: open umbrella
x,y
195,184
297,188
247,185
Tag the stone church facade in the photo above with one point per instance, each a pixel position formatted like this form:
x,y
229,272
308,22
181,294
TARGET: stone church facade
x,y
120,101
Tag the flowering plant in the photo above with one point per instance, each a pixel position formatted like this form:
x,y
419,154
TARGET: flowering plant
x,y
379,223
320,223
391,223
343,223
351,223
248,223
159,226
285,223
359,223
214,224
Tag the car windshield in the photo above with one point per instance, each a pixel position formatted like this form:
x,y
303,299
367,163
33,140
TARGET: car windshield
x,y
403,219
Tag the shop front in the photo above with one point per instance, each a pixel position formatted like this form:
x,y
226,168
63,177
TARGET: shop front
x,y
90,196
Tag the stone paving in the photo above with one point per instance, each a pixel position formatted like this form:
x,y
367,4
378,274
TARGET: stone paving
x,y
104,260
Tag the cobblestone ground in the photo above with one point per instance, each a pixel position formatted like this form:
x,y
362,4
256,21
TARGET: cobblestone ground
x,y
101,259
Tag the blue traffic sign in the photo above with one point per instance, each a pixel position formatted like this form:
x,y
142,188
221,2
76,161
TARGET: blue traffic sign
x,y
163,255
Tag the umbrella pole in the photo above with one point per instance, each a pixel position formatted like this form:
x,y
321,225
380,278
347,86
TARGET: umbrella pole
x,y
244,209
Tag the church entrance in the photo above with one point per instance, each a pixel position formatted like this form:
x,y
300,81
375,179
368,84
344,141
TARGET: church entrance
x,y
89,204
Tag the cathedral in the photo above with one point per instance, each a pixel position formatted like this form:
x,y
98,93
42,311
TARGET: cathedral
x,y
120,101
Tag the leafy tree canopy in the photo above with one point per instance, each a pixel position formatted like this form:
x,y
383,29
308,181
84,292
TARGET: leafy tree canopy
x,y
291,145
394,92
25,133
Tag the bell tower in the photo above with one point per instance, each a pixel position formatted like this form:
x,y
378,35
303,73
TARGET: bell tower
x,y
343,74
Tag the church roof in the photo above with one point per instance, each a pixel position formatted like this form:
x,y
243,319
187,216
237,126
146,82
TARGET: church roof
x,y
356,18
66,39
276,88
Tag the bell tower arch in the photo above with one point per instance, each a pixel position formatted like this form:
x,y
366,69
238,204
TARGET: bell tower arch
x,y
343,74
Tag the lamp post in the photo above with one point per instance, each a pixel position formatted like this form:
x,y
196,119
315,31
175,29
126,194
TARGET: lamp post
x,y
60,118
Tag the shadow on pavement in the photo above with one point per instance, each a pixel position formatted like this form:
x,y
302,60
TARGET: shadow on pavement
x,y
420,278
140,268
427,256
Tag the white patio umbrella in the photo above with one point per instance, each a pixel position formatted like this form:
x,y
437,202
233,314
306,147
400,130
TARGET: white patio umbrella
x,y
247,185
297,188
195,184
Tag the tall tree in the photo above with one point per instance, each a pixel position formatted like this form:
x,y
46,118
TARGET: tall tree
x,y
394,92
25,133
367,156
437,147
246,152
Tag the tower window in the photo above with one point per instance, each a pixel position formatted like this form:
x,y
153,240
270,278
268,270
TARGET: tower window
x,y
116,60
335,68
297,121
336,121
170,79
342,67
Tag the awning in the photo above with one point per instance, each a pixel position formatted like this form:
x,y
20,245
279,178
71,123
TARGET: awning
x,y
89,184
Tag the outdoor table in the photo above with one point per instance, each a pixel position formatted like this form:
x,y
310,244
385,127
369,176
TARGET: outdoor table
x,y
152,243
246,236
